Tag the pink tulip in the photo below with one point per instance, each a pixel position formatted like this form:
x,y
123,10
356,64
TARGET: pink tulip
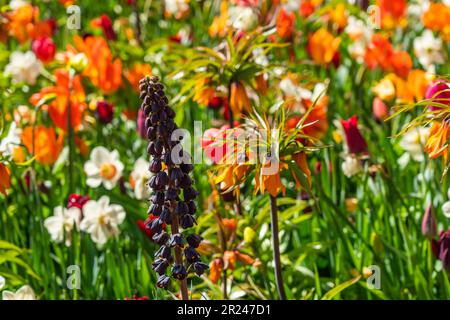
x,y
438,92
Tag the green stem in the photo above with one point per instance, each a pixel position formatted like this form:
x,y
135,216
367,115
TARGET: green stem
x,y
70,135
276,247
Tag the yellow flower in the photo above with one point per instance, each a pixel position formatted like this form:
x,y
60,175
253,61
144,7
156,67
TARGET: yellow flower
x,y
385,89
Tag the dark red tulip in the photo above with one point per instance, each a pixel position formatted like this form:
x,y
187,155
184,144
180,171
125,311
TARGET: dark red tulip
x,y
104,112
107,26
441,249
353,137
44,48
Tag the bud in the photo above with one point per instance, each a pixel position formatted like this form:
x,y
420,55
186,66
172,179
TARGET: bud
x,y
163,281
200,267
429,228
376,243
249,235
194,240
179,272
191,255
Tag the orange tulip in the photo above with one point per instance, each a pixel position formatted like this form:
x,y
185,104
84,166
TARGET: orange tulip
x,y
392,12
63,97
437,145
418,83
104,72
307,8
5,181
45,144
322,46
285,23
401,63
136,73
316,123
381,54
437,18
378,52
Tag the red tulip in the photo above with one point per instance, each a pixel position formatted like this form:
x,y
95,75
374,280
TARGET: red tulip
x,y
439,92
104,112
143,226
106,24
77,200
216,102
44,48
353,137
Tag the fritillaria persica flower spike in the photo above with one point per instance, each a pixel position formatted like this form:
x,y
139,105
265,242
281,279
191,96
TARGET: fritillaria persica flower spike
x,y
172,200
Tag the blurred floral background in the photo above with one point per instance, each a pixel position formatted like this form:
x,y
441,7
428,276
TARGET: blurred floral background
x,y
354,93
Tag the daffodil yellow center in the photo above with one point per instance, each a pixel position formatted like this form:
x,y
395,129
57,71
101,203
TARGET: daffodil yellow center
x,y
102,219
107,170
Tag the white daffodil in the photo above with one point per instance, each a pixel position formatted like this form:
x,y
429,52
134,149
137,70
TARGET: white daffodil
x,y
242,18
11,141
23,67
139,178
413,142
2,282
292,90
102,219
62,223
23,293
16,4
428,49
175,7
446,209
103,167
351,166
361,35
